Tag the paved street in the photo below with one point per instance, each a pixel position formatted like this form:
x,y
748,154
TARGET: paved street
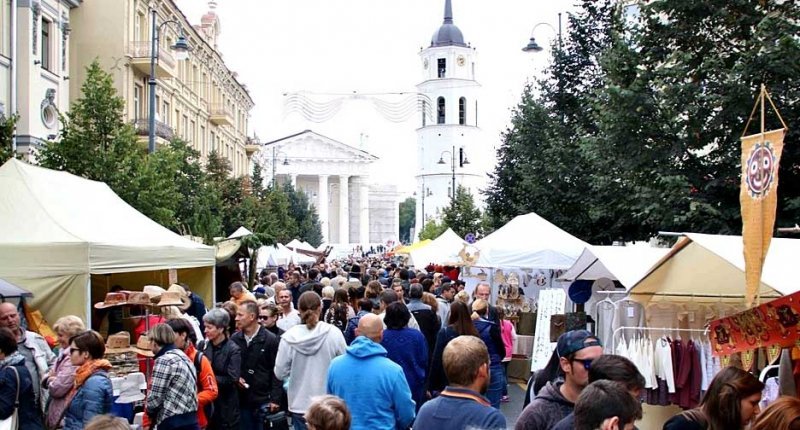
x,y
512,409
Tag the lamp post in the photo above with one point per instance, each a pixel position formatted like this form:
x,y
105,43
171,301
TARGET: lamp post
x,y
274,164
462,160
181,48
532,46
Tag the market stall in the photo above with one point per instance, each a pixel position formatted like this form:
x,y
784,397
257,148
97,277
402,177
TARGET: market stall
x,y
444,249
626,264
61,235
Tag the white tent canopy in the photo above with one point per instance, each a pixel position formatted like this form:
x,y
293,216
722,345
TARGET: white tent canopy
x,y
240,232
442,250
297,244
529,241
280,255
56,229
709,265
626,264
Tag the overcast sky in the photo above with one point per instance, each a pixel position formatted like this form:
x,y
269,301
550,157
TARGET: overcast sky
x,y
372,46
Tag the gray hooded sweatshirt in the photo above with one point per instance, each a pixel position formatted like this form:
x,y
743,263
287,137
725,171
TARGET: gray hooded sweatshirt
x,y
303,358
546,410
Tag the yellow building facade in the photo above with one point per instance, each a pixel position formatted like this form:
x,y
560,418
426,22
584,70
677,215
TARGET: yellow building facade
x,y
198,99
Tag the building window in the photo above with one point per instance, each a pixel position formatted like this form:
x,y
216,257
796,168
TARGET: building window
x,y
166,115
192,131
440,110
47,61
424,113
137,101
442,67
185,128
203,147
462,111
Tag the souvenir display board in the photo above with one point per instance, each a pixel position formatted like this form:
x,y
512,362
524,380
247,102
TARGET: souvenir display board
x,y
551,301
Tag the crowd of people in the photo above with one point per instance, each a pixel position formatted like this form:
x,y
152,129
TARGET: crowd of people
x,y
350,346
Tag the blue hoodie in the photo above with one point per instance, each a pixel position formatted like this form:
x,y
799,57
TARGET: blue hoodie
x,y
372,385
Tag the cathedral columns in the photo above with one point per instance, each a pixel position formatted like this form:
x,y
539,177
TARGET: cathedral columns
x,y
363,210
322,207
344,210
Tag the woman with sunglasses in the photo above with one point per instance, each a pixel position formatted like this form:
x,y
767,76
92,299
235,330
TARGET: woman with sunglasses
x,y
92,393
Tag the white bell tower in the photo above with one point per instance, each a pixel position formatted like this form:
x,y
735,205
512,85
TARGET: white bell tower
x,y
448,134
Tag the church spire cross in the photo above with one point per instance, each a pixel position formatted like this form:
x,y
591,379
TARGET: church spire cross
x,y
448,12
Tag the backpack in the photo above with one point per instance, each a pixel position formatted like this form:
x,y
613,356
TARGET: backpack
x,y
198,362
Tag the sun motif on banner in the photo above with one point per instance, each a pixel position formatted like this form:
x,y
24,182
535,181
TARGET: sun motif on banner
x,y
760,170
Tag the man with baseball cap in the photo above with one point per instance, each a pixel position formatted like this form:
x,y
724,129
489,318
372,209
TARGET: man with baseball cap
x,y
573,356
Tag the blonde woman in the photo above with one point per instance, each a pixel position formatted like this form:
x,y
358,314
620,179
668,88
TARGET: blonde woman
x,y
61,378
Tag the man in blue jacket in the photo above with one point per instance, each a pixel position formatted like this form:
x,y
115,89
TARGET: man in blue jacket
x,y
372,386
462,404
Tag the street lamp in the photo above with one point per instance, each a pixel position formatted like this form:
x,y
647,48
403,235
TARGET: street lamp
x,y
275,165
181,48
532,46
462,160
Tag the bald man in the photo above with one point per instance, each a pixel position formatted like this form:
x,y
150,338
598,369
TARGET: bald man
x,y
372,386
32,346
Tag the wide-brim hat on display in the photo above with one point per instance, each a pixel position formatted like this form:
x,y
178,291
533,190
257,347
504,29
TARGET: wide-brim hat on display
x,y
153,291
112,299
171,298
139,298
580,291
181,292
130,389
118,343
143,346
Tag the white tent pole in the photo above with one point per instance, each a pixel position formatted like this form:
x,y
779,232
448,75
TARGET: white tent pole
x,y
213,286
89,301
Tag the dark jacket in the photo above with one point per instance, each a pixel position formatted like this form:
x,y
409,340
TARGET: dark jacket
x,y
226,361
490,334
258,368
429,325
352,325
197,309
277,331
546,410
30,417
93,398
437,379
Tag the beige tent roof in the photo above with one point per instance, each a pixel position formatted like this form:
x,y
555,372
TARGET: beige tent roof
x,y
713,265
57,228
626,264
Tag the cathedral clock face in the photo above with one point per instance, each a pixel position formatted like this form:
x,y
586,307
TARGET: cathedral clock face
x,y
461,60
425,63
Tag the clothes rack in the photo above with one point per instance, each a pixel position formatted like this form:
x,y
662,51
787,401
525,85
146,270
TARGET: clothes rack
x,y
618,330
763,376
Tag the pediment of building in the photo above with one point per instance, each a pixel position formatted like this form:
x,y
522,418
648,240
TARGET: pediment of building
x,y
309,146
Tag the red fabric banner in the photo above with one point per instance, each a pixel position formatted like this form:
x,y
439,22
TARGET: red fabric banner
x,y
773,323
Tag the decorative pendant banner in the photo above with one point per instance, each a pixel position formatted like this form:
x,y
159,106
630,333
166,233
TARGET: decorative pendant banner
x,y
761,156
770,324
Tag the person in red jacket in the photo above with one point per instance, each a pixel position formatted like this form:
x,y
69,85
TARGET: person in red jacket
x,y
207,390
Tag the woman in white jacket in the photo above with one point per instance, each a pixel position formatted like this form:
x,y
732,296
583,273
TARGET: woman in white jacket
x,y
304,355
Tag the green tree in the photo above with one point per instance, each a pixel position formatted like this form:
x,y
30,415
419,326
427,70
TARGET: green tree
x,y
96,142
8,127
462,215
309,228
408,217
432,229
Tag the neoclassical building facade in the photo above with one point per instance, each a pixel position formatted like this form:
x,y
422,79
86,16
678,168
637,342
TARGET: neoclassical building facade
x,y
198,99
335,177
34,67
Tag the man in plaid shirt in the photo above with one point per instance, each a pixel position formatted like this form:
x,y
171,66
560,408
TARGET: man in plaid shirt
x,y
172,400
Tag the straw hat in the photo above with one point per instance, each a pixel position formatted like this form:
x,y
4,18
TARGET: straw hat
x,y
119,343
138,298
143,346
153,291
130,388
175,296
112,299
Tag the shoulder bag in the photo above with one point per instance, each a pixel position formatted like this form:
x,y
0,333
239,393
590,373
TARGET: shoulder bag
x,y
12,422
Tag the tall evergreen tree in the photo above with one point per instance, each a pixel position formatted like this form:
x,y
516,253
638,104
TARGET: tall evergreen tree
x,y
462,215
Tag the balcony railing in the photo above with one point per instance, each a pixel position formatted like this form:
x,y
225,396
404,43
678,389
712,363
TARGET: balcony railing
x,y
219,109
142,50
163,130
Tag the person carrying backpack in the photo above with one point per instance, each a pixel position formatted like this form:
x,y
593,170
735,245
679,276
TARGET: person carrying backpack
x,y
207,390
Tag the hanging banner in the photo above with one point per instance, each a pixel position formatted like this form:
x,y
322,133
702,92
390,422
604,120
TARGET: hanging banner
x,y
761,155
773,323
